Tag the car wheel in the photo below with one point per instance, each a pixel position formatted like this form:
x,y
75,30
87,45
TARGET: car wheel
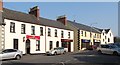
x,y
55,53
115,53
99,51
18,57
64,52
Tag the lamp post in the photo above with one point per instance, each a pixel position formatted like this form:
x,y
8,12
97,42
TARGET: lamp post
x,y
91,32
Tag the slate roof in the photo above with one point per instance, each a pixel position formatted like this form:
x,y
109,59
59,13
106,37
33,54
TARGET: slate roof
x,y
106,30
84,27
28,18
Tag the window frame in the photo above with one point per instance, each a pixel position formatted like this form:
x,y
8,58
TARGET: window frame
x,y
32,30
41,31
23,28
12,27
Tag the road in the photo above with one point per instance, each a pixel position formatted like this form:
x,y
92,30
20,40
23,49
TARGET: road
x,y
82,58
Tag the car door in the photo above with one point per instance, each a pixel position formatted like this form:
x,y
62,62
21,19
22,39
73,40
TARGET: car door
x,y
7,54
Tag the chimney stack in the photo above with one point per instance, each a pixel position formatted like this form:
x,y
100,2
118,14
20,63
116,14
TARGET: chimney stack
x,y
35,11
62,19
1,6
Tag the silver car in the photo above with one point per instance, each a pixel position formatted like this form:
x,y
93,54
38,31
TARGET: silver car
x,y
109,49
55,51
10,54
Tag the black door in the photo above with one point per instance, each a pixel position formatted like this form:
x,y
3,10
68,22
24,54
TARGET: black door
x,y
69,47
15,43
28,46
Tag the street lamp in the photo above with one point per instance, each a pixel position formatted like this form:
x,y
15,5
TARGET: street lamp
x,y
91,32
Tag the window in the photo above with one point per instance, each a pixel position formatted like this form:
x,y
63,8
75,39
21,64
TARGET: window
x,y
85,34
37,45
49,32
51,44
82,33
57,44
62,34
110,34
23,28
95,36
103,34
68,34
32,30
12,27
64,44
103,40
41,31
108,39
55,33
105,37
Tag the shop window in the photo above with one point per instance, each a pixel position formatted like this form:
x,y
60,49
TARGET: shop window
x,y
64,44
22,28
12,27
41,31
55,32
32,30
68,34
62,34
51,45
37,45
57,44
49,32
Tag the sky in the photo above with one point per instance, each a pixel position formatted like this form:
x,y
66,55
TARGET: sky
x,y
104,14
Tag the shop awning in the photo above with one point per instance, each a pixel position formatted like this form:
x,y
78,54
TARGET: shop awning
x,y
66,40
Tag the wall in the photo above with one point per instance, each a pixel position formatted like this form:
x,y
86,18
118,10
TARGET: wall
x,y
17,35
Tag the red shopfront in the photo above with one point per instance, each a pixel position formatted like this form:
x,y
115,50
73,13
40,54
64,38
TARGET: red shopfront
x,y
28,41
66,43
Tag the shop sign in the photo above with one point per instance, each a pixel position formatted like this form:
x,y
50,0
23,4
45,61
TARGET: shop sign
x,y
33,37
85,41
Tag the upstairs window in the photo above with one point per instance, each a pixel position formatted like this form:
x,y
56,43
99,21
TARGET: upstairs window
x,y
22,28
81,33
12,27
62,34
49,32
68,34
85,34
55,32
41,31
32,30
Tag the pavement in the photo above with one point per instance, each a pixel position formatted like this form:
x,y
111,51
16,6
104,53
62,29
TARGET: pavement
x,y
76,58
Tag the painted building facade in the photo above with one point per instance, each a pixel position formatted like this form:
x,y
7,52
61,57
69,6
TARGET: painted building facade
x,y
107,36
31,33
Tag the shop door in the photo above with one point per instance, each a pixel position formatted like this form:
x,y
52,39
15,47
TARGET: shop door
x,y
28,46
69,46
15,43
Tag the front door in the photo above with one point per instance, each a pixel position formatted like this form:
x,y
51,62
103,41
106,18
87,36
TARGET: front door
x,y
15,43
28,46
69,46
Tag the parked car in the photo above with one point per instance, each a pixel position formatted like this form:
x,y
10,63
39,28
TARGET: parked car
x,y
109,49
55,51
10,54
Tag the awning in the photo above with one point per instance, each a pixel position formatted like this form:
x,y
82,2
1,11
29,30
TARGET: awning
x,y
33,37
66,40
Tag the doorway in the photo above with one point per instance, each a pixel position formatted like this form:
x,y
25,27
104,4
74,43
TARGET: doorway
x,y
15,43
69,46
27,46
